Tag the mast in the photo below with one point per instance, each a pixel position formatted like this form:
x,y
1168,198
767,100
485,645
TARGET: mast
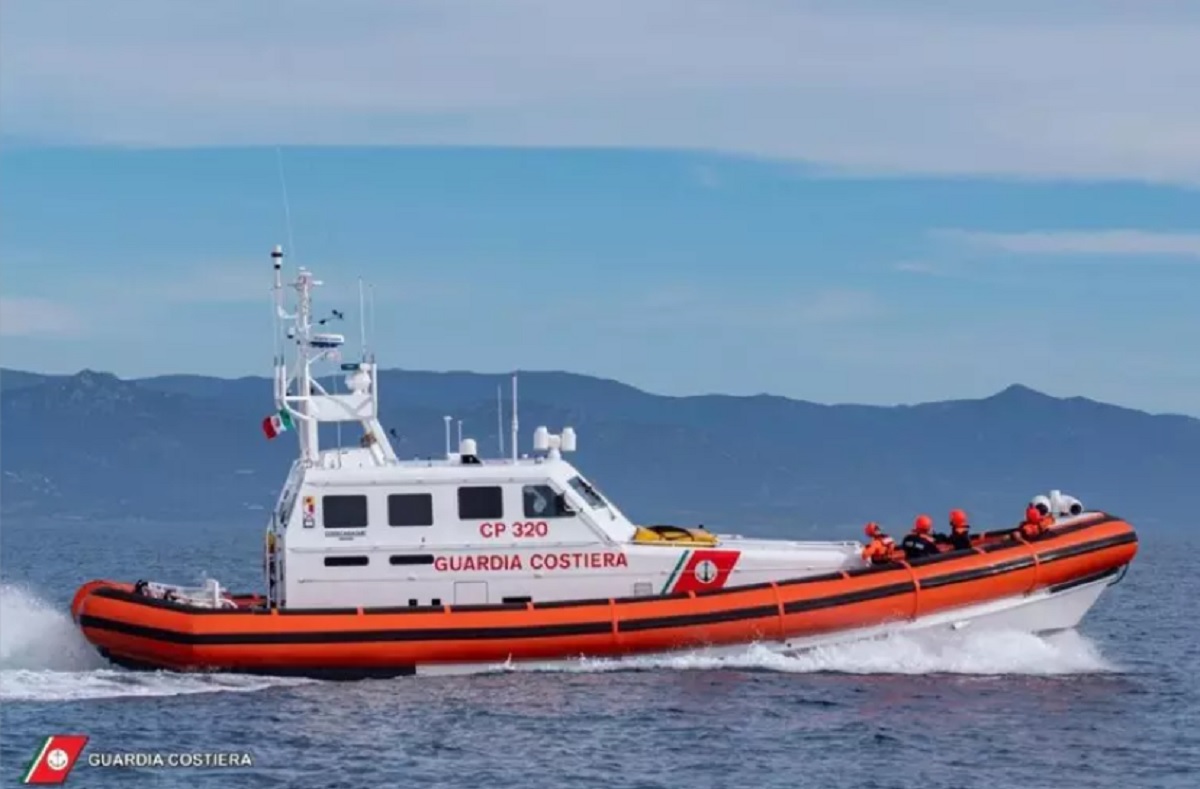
x,y
362,322
514,418
299,395
500,419
309,436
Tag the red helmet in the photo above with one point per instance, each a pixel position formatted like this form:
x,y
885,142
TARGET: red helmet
x,y
958,519
873,529
1033,514
923,524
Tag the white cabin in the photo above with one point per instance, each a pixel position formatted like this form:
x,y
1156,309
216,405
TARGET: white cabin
x,y
359,527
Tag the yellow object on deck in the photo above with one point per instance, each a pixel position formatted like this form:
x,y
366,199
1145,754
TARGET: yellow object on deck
x,y
673,535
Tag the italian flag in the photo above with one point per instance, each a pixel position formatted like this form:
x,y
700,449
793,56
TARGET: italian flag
x,y
277,423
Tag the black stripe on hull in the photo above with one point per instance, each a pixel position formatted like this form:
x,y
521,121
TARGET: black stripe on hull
x,y
848,598
965,576
350,636
344,674
1086,547
695,620
1083,580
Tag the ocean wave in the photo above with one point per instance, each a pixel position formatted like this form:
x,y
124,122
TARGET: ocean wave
x,y
44,657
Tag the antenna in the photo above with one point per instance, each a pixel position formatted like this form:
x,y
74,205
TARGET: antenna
x,y
287,208
447,420
514,418
371,308
277,302
500,418
460,432
362,322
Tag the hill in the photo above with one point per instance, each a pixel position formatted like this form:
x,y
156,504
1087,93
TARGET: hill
x,y
175,448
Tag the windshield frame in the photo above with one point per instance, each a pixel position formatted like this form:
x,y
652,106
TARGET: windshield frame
x,y
587,491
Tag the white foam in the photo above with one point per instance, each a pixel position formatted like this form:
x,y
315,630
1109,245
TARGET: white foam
x,y
32,685
984,653
36,635
44,657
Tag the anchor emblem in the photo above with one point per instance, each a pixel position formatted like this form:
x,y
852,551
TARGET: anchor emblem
x,y
706,571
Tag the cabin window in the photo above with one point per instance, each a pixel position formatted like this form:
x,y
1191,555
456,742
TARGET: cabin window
x,y
346,561
480,503
589,493
410,509
543,501
344,512
411,558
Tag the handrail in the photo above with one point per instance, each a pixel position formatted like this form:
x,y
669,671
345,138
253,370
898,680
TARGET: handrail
x,y
780,608
1037,563
912,574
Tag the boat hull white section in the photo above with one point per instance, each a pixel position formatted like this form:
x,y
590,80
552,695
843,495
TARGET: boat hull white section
x,y
1037,613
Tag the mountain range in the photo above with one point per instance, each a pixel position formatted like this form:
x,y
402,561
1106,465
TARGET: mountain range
x,y
190,448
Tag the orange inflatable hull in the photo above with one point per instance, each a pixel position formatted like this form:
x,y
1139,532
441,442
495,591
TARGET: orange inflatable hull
x,y
143,632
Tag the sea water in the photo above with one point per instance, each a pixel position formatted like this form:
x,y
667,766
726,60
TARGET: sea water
x,y
1115,704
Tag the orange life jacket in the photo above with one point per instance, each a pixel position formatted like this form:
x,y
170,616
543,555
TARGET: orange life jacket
x,y
881,550
1032,529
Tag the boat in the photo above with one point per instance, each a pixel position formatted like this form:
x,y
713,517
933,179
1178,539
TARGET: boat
x,y
378,566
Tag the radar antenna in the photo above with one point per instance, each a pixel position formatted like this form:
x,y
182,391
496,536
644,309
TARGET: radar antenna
x,y
299,396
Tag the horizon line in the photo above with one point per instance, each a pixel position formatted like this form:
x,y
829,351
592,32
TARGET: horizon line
x,y
1013,387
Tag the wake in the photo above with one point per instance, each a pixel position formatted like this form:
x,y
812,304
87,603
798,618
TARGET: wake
x,y
44,657
991,654
995,653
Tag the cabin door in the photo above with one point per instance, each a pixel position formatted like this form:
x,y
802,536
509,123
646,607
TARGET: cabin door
x,y
278,581
273,561
470,592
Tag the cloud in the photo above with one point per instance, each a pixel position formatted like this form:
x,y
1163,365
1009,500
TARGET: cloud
x,y
30,317
1067,89
1097,242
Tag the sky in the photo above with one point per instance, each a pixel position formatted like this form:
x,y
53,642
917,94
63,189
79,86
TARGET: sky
x,y
838,202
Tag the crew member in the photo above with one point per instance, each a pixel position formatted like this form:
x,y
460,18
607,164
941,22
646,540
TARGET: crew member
x,y
960,531
1036,522
920,541
882,548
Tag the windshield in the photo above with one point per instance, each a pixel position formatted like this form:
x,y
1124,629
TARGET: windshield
x,y
590,494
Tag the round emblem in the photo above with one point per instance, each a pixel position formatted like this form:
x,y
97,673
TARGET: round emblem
x,y
57,759
705,572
